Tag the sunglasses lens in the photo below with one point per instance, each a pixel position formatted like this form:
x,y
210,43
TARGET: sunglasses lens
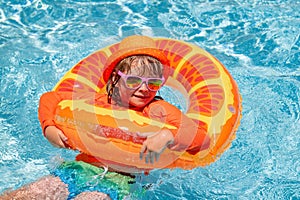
x,y
154,84
133,82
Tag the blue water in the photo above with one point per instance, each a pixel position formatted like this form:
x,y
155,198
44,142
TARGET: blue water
x,y
257,40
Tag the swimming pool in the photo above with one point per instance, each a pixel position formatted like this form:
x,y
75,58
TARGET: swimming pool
x,y
258,41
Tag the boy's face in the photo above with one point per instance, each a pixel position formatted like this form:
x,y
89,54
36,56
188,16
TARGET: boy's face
x,y
138,98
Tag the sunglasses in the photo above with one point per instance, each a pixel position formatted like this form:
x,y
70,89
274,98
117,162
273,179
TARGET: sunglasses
x,y
134,82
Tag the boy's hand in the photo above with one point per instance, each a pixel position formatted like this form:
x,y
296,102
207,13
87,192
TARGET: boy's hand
x,y
56,137
155,144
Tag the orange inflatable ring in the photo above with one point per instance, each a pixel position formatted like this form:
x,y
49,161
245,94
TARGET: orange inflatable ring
x,y
212,98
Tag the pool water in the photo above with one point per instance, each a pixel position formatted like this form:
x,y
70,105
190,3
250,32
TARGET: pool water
x,y
257,40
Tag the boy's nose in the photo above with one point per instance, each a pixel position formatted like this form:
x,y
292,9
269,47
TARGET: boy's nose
x,y
143,86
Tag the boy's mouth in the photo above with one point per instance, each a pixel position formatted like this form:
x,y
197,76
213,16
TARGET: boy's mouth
x,y
141,96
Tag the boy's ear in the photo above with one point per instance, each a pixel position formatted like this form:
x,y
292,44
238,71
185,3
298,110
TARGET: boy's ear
x,y
113,76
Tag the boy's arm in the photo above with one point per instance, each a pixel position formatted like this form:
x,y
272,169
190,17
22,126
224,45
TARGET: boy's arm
x,y
47,107
188,136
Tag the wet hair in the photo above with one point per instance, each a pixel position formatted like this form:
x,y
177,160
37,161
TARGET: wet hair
x,y
145,65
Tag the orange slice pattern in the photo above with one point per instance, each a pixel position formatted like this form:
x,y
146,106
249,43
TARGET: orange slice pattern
x,y
71,85
90,69
207,100
210,100
174,51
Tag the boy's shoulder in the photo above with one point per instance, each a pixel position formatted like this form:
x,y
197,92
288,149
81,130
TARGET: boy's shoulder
x,y
162,106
